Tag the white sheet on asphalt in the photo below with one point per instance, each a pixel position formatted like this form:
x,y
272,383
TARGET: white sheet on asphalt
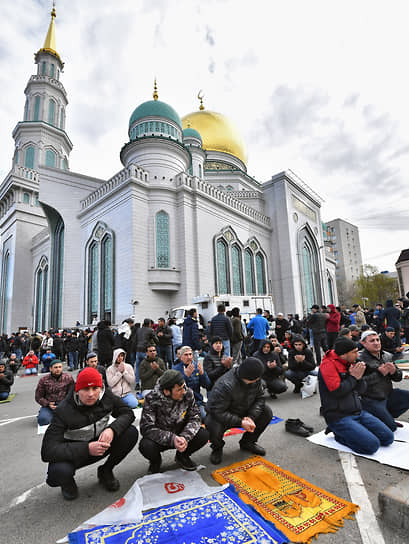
x,y
395,455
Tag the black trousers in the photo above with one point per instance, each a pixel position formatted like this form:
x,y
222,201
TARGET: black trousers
x,y
62,473
217,429
152,450
320,339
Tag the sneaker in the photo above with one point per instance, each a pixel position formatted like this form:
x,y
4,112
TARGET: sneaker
x,y
70,491
398,424
216,457
185,461
107,479
252,447
154,468
296,427
297,389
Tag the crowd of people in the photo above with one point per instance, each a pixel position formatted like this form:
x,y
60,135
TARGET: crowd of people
x,y
194,382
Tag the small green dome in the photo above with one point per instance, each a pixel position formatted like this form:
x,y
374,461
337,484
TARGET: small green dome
x,y
155,108
191,133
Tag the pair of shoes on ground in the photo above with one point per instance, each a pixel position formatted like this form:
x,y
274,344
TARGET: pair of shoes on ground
x,y
296,426
184,461
217,455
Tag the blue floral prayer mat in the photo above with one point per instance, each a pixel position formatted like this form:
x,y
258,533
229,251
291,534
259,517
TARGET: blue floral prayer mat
x,y
216,519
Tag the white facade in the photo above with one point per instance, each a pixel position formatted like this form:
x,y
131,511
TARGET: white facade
x,y
179,221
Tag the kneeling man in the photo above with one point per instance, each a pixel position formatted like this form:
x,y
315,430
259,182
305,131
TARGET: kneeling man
x,y
237,400
171,420
341,385
80,434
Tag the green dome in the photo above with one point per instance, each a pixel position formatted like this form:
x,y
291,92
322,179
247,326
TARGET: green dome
x,y
191,133
155,108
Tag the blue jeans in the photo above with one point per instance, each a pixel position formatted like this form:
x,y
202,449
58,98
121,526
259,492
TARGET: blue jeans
x,y
139,356
73,359
19,353
44,415
29,371
388,410
130,400
363,433
226,345
4,395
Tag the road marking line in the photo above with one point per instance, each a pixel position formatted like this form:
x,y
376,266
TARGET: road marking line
x,y
365,516
12,420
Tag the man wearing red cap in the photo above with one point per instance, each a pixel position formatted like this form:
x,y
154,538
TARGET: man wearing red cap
x,y
80,434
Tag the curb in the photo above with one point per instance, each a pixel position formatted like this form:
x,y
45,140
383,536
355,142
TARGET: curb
x,y
394,505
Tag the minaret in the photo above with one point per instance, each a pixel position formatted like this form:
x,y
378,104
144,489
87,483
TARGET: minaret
x,y
40,138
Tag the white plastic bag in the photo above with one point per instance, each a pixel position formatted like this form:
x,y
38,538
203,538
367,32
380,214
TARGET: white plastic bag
x,y
309,386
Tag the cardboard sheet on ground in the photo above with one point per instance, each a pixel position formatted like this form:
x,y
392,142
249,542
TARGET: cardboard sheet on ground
x,y
151,491
395,455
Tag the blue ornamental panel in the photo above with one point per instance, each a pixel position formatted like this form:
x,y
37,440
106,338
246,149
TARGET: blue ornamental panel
x,y
260,273
249,272
222,268
162,240
237,271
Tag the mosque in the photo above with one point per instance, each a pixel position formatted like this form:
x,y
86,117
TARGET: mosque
x,y
181,220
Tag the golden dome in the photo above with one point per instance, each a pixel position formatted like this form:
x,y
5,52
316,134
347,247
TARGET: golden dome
x,y
217,132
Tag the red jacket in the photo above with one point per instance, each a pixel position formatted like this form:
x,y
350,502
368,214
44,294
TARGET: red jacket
x,y
30,361
333,319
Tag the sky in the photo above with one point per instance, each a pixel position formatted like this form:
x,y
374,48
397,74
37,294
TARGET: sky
x,y
318,87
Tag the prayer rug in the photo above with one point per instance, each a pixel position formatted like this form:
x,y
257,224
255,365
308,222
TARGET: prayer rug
x,y
240,430
297,508
8,399
218,518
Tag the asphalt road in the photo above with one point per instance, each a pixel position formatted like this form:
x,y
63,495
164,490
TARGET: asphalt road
x,y
32,512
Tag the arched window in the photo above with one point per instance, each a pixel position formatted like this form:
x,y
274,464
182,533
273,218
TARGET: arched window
x,y
222,268
43,68
100,270
237,270
29,157
107,277
93,283
57,274
162,240
62,118
36,115
52,70
51,111
26,198
5,290
330,291
249,272
50,158
41,286
260,274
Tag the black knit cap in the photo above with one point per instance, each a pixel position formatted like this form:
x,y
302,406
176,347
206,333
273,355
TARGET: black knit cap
x,y
251,369
170,378
344,345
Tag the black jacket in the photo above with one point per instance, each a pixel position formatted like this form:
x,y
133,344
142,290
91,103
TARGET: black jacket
x,y
378,387
106,341
220,325
144,337
317,322
213,365
306,366
7,381
231,399
269,373
73,426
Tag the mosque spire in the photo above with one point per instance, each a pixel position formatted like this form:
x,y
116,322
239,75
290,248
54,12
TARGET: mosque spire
x,y
50,44
155,91
200,97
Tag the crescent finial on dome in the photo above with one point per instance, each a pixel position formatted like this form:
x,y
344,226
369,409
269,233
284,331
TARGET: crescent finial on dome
x,y
155,91
200,97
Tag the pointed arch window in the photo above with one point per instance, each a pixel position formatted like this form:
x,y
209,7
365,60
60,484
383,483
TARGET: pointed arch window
x,y
29,157
26,198
330,290
57,275
249,272
50,158
100,273
5,290
237,270
41,302
162,240
222,268
52,70
51,111
43,68
260,274
36,115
